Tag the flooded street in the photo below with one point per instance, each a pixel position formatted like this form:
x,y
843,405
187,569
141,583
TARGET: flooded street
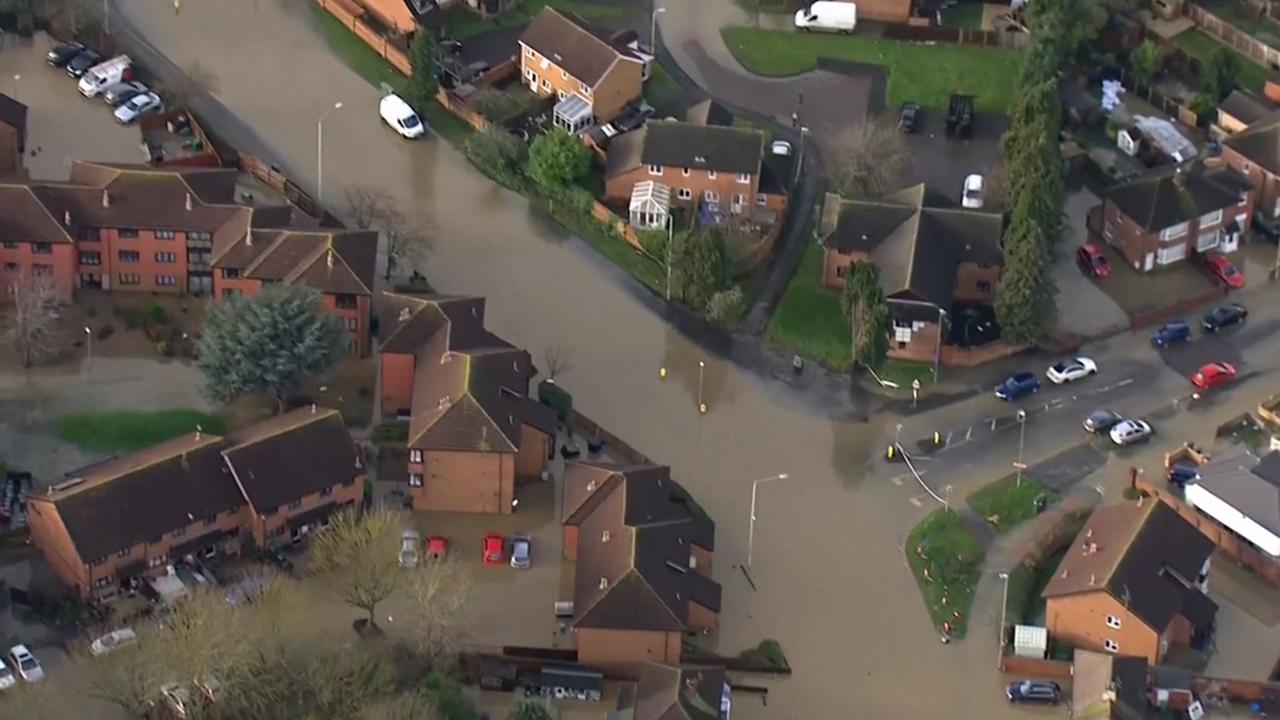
x,y
832,583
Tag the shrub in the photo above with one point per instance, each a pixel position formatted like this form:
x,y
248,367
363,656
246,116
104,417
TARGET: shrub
x,y
391,432
448,697
498,154
556,398
156,315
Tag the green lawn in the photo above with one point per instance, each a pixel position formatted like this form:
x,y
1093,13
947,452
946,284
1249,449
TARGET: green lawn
x,y
663,92
1245,18
125,431
926,74
904,371
463,23
1201,45
943,546
808,321
965,15
1008,501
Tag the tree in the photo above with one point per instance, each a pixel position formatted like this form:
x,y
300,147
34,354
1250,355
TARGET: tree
x,y
867,158
358,553
1145,62
529,710
499,153
723,304
700,267
1221,73
557,159
867,309
1025,305
555,360
409,237
29,320
422,62
366,204
438,594
268,343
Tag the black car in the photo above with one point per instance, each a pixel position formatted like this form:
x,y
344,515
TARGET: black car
x,y
81,63
1034,691
62,53
1224,316
909,117
1100,421
1182,473
633,117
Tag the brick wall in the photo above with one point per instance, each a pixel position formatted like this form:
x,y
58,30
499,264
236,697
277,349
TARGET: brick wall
x,y
1035,667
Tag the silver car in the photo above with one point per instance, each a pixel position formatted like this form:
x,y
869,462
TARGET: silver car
x,y
123,92
1128,432
410,541
521,552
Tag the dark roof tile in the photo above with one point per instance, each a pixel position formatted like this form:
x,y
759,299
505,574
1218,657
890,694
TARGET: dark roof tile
x,y
573,44
294,455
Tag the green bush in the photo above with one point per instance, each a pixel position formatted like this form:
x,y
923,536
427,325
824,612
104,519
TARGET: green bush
x,y
556,398
156,315
448,697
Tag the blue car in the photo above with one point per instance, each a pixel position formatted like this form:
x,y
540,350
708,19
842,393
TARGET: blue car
x,y
1019,385
1171,333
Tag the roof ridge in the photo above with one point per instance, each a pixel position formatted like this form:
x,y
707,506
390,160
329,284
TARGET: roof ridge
x,y
682,623
266,252
206,441
45,208
316,415
342,258
307,262
422,305
571,19
466,384
1144,517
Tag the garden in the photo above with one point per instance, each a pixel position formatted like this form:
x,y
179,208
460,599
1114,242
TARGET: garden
x,y
127,431
946,560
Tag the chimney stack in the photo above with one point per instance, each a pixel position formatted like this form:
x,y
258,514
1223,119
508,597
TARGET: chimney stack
x,y
188,202
106,199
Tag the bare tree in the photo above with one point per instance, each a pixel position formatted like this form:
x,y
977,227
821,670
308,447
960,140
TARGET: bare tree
x,y
867,158
366,204
438,595
358,553
555,360
409,237
30,316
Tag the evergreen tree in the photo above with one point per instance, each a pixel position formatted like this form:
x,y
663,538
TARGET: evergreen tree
x,y
867,310
1025,303
422,61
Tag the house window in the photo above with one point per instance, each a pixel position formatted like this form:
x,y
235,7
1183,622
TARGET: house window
x,y
129,279
230,273
350,323
1171,254
684,172
711,174
1247,166
167,280
326,492
744,177
123,553
166,257
100,561
684,194
102,582
532,77
11,267
564,75
344,302
199,237
295,504
711,196
128,232
582,88
41,248
1113,622
415,480
1211,218
42,270
655,169
90,258
984,286
157,561
1174,232
840,270
10,244
1111,645
415,456
739,201
560,94
546,84
528,52
129,256
178,533
165,234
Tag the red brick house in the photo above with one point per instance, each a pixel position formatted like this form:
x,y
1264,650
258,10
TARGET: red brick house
x,y
1172,214
931,255
196,495
1255,154
641,549
1133,583
682,692
474,432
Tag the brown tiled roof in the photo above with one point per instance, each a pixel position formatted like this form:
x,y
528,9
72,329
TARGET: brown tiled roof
x,y
1259,144
577,47
289,457
635,541
1143,554
24,218
1169,196
335,261
680,692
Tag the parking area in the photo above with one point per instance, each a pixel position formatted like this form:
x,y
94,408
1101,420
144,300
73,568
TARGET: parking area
x,y
61,124
943,163
1248,622
1085,310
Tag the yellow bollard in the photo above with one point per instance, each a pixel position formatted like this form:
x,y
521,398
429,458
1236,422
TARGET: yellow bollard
x,y
889,452
662,373
937,438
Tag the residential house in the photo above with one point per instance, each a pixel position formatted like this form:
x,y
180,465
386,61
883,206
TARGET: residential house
x,y
1243,108
591,75
1242,493
713,168
1255,154
13,134
474,432
641,549
1108,687
682,692
196,495
1133,582
930,253
1164,217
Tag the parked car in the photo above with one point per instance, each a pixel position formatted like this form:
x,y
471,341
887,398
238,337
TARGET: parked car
x,y
1071,370
398,116
123,92
1018,386
245,591
493,550
829,16
1182,473
1100,421
1213,374
1034,691
1225,316
25,664
281,561
633,117
1221,267
521,552
973,191
62,53
80,64
1092,261
177,699
437,547
1128,432
780,147
1171,333
138,106
7,680
409,543
112,641
909,117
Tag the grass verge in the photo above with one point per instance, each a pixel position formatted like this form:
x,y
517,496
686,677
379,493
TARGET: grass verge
x,y
1005,504
126,431
903,372
926,74
946,560
808,320
359,57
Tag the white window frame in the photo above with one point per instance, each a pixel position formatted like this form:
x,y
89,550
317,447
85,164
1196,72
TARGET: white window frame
x,y
711,196
1174,232
1113,622
1171,254
1111,646
761,199
744,177
415,456
684,194
711,174
416,480
685,172
655,170
1208,241
546,84
1212,218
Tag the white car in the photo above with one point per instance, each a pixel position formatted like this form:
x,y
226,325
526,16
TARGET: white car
x,y
7,680
1071,370
1128,432
521,552
25,664
973,191
137,106
410,541
399,116
112,641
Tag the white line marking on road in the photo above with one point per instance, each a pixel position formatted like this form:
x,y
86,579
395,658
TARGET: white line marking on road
x,y
968,433
896,480
948,440
915,500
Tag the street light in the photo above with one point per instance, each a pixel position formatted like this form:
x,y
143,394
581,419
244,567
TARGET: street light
x,y
751,530
1022,433
320,152
106,18
653,28
937,351
1004,602
702,406
16,79
89,365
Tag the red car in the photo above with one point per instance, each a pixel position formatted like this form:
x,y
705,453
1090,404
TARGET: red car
x,y
437,547
1223,269
494,553
1213,375
1092,261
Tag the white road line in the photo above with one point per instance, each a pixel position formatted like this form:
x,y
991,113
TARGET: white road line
x,y
968,433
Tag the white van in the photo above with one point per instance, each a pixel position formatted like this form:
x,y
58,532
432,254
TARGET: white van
x,y
397,113
105,74
829,16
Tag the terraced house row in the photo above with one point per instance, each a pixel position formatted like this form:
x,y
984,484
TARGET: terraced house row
x,y
134,228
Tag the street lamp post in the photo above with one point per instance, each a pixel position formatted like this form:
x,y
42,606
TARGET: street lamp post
x,y
1022,434
89,346
671,236
106,18
751,530
16,95
702,406
937,351
653,28
320,152
1004,602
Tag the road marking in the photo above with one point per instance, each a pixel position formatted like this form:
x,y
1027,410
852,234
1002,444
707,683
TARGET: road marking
x,y
948,440
915,500
896,480
968,433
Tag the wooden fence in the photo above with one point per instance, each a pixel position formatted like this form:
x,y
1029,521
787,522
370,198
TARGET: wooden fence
x,y
604,214
956,36
279,182
352,17
1244,43
1229,543
1035,667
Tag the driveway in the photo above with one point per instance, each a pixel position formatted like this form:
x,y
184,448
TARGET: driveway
x,y
1084,310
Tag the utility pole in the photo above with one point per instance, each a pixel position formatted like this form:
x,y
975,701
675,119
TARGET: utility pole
x,y
1022,433
320,154
751,530
1004,604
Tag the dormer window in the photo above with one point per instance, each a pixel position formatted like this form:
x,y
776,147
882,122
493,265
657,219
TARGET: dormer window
x,y
604,583
604,536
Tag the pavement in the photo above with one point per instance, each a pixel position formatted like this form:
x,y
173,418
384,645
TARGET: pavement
x,y
1085,310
